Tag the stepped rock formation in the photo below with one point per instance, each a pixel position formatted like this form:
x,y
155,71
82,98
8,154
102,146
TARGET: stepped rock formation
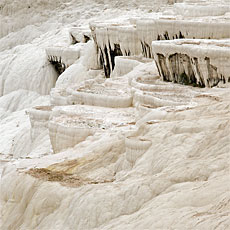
x,y
62,58
136,38
101,126
197,62
71,125
99,93
39,118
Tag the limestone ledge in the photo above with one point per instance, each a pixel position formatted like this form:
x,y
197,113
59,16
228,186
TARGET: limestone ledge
x,y
39,118
79,35
100,93
124,39
125,64
69,125
203,63
63,57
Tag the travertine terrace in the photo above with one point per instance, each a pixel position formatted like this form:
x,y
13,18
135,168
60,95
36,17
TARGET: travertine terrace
x,y
198,62
115,114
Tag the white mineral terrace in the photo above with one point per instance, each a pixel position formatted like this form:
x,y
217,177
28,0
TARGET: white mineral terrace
x,y
39,118
198,10
70,125
125,64
115,115
99,93
201,62
79,114
79,35
64,56
136,38
58,96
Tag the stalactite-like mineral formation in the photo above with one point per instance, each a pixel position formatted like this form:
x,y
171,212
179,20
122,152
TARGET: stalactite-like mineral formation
x,y
135,39
62,58
202,63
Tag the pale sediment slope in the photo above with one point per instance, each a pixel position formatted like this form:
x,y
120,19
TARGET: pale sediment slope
x,y
183,176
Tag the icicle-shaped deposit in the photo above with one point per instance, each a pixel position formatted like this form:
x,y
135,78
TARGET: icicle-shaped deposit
x,y
197,62
114,40
62,58
126,39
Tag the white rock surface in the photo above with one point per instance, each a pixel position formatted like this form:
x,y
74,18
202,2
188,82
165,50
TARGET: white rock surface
x,y
71,125
39,119
125,64
141,167
100,93
80,35
65,56
191,178
200,62
135,37
26,67
198,10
